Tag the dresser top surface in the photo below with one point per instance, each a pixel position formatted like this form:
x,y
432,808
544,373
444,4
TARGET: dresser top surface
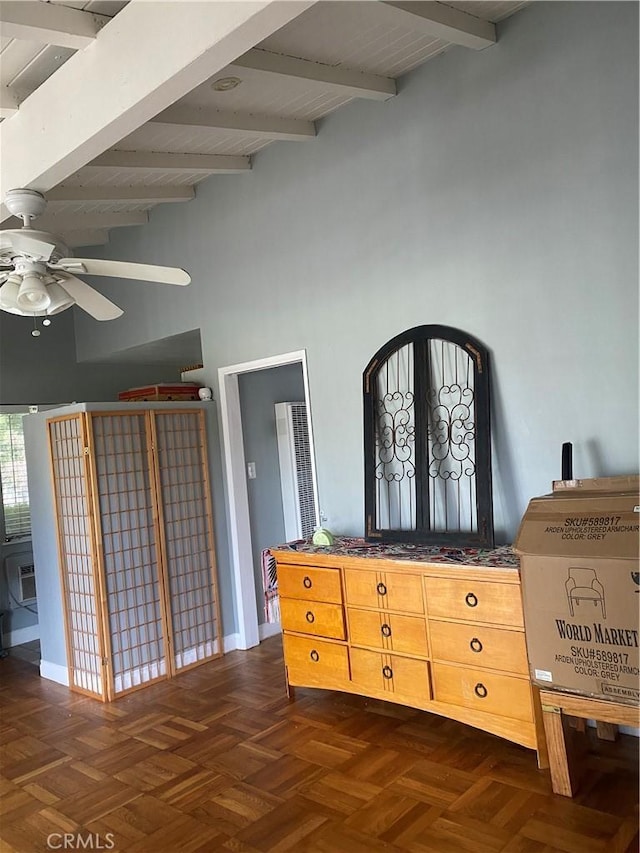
x,y
502,557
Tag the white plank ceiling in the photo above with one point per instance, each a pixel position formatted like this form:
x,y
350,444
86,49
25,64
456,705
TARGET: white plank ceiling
x,y
328,53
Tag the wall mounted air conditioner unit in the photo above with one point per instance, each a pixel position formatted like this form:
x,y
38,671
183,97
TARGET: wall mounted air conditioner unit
x,y
21,579
296,470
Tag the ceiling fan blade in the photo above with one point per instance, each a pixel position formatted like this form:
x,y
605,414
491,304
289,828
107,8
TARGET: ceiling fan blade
x,y
124,269
90,300
24,243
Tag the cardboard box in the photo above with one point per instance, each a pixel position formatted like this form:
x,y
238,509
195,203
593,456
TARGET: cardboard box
x,y
580,576
181,391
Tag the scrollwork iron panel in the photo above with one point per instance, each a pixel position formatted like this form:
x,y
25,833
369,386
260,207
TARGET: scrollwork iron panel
x,y
451,435
395,464
427,439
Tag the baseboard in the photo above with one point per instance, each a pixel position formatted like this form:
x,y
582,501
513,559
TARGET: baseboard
x,y
21,635
269,629
54,672
230,643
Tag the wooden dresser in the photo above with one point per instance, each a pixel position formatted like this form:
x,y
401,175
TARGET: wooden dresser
x,y
436,629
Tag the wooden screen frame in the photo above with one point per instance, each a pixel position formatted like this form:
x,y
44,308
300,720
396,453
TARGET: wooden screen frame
x,y
155,414
95,534
97,519
99,600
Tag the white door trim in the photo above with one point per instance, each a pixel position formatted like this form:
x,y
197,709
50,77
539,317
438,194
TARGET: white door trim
x,y
237,495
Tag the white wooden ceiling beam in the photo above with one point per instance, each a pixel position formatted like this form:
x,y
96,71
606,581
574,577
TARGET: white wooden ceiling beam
x,y
355,84
46,23
179,46
153,161
129,194
84,221
244,124
440,21
8,102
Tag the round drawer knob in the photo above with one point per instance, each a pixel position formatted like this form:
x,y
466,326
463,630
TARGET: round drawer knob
x,y
315,657
309,616
480,690
387,672
382,590
471,599
475,645
385,630
307,583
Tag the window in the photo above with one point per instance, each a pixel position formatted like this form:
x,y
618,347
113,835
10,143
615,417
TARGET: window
x,y
13,477
427,440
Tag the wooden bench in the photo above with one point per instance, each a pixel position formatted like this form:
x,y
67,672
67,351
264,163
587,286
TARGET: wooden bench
x,y
557,709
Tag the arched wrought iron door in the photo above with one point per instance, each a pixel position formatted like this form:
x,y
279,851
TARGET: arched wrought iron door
x,y
427,440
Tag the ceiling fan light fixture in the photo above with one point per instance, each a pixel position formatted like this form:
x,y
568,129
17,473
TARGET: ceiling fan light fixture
x,y
9,294
32,295
31,290
59,298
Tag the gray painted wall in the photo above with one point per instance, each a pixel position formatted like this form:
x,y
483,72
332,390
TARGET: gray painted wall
x,y
45,369
259,391
496,193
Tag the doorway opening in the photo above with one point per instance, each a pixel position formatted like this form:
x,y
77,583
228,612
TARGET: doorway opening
x,y
238,503
19,628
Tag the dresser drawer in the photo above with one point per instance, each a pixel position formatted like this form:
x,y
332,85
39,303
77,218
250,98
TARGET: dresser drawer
x,y
315,662
388,631
309,583
403,677
312,617
482,690
384,590
478,646
475,601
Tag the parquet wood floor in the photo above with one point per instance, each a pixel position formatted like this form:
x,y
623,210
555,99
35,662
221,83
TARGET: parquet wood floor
x,y
219,760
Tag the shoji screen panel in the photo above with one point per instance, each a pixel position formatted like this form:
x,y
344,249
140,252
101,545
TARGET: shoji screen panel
x,y
129,555
187,535
79,572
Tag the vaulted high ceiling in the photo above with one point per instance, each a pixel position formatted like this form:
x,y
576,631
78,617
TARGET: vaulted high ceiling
x,y
110,107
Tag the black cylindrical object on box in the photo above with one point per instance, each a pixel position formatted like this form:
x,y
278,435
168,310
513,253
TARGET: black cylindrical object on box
x,y
567,461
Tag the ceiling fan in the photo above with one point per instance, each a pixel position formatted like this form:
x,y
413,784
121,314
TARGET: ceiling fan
x,y
39,273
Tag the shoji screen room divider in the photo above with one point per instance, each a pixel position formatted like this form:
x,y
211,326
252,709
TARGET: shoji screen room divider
x,y
135,536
